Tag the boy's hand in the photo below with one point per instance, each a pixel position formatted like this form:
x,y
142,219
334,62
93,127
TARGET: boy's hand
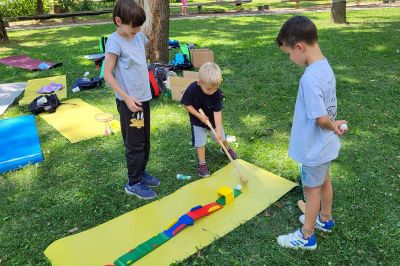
x,y
203,118
336,126
133,104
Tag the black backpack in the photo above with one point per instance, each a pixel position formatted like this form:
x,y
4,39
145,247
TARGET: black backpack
x,y
50,106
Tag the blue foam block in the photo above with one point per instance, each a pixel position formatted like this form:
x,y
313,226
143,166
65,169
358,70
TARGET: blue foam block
x,y
19,143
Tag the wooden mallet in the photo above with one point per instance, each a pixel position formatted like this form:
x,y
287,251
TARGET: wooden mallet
x,y
302,206
242,177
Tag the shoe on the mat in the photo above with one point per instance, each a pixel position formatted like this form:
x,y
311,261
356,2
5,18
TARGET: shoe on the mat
x,y
202,170
140,190
326,226
149,180
232,153
296,240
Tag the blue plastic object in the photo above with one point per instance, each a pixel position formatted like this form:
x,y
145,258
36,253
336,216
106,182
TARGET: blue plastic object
x,y
179,59
44,66
19,143
183,221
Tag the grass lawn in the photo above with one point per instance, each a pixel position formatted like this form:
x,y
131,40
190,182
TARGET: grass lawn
x,y
246,6
81,185
273,4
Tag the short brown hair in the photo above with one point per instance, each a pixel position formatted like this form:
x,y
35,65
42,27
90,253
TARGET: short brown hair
x,y
297,29
129,12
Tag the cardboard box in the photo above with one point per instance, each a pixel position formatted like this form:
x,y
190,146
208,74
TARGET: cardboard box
x,y
201,56
190,74
179,86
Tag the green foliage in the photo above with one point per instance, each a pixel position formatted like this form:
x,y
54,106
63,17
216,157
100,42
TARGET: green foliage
x,y
86,5
12,8
76,5
67,5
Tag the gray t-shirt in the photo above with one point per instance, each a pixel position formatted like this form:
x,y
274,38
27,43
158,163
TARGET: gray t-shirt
x,y
310,144
130,70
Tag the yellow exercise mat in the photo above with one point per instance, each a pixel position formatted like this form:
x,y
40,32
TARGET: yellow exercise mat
x,y
105,243
35,84
75,120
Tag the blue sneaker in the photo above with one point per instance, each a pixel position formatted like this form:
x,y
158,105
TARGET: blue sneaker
x,y
140,190
149,180
326,226
296,240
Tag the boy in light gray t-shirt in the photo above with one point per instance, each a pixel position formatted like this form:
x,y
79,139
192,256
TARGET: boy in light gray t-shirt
x,y
310,144
314,141
131,72
126,72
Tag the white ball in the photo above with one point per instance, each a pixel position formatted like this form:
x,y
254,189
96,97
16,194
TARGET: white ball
x,y
87,73
239,187
344,127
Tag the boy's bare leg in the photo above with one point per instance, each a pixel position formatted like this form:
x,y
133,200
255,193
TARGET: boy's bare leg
x,y
313,196
326,199
202,169
201,153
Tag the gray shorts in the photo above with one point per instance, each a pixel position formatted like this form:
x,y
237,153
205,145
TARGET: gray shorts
x,y
314,176
199,136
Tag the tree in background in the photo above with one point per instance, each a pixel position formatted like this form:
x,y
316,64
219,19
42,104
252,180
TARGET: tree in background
x,y
3,32
338,11
156,28
39,6
14,8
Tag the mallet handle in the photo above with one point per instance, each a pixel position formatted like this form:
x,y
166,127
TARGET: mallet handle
x,y
215,134
242,177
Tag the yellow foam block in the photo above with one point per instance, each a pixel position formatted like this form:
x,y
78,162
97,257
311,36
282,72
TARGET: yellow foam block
x,y
103,244
226,192
75,120
35,84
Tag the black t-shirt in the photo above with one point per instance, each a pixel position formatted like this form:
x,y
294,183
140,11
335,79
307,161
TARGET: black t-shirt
x,y
195,97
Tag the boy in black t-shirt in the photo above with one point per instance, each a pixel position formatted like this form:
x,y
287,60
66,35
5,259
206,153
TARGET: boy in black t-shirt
x,y
205,94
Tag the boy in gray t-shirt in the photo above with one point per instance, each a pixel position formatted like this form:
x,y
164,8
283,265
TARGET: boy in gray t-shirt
x,y
126,72
314,141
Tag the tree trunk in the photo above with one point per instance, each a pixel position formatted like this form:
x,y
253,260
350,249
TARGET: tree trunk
x,y
338,11
39,6
156,29
3,31
297,6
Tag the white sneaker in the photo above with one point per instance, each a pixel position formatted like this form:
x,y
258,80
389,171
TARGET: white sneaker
x,y
296,240
323,226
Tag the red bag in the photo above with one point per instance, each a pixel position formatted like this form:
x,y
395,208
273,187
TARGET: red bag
x,y
155,89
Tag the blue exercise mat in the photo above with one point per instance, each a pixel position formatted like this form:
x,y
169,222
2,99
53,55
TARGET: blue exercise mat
x,y
19,143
